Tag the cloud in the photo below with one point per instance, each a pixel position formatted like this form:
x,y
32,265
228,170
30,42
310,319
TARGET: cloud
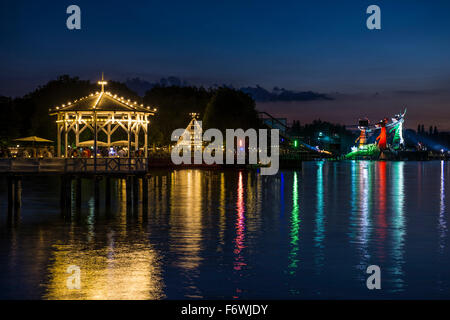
x,y
347,108
259,94
262,95
141,86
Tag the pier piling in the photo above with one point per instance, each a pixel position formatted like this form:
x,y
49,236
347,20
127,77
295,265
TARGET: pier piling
x,y
66,195
108,193
10,187
17,192
135,190
97,179
128,191
145,190
78,193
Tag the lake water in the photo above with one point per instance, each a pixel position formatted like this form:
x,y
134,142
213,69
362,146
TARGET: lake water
x,y
305,234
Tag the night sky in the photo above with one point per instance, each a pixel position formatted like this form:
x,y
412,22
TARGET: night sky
x,y
321,46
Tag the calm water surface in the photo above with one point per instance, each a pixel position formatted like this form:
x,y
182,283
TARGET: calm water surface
x,y
300,234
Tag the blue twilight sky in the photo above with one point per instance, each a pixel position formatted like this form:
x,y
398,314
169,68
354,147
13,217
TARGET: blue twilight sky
x,y
319,45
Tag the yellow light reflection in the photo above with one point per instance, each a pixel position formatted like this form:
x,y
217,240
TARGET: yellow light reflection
x,y
119,271
186,217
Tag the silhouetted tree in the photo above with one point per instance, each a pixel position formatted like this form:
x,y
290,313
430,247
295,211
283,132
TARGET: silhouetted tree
x,y
29,115
230,109
174,105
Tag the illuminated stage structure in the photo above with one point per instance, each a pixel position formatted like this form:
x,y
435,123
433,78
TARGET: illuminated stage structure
x,y
193,136
381,149
363,126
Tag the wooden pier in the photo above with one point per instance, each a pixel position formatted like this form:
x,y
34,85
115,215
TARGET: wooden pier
x,y
72,172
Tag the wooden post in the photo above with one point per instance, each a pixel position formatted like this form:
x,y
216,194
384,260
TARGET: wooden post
x,y
136,137
58,138
129,140
128,191
144,196
97,191
77,129
95,141
78,193
145,190
10,182
146,138
108,192
135,190
65,137
62,191
109,134
68,194
18,192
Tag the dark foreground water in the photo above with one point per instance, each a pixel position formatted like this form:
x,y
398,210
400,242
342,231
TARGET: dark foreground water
x,y
309,233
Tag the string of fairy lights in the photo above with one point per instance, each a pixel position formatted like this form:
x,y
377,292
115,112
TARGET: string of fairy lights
x,y
134,105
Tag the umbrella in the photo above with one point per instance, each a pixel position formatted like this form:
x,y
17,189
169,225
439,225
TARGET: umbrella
x,y
33,139
90,143
121,143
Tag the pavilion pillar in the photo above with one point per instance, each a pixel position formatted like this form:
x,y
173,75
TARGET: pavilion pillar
x,y
95,141
146,139
77,130
65,136
129,137
58,138
136,138
109,134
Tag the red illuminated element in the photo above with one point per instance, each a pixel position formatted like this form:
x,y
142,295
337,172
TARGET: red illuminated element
x,y
381,220
382,139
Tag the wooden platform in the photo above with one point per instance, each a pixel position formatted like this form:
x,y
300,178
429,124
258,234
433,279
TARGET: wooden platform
x,y
74,165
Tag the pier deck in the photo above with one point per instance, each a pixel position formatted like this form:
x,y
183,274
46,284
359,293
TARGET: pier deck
x,y
74,166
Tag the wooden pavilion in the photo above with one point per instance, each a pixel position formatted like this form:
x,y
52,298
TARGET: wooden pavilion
x,y
102,112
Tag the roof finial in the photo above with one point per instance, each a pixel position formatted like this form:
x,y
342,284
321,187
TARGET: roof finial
x,y
103,83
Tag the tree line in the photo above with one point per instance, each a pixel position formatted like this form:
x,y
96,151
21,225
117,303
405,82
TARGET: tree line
x,y
218,108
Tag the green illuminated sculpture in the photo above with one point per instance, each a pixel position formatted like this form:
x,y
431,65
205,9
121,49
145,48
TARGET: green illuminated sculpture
x,y
373,151
367,151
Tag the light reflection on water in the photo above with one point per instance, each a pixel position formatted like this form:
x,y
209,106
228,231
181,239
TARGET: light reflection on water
x,y
119,270
320,220
398,224
309,233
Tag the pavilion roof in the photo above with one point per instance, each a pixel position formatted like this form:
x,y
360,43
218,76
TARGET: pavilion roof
x,y
103,101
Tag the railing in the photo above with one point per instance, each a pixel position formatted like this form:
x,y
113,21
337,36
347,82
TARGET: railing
x,y
74,165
